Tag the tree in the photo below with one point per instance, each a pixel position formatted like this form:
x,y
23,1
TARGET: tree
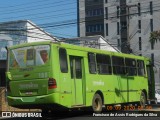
x,y
154,37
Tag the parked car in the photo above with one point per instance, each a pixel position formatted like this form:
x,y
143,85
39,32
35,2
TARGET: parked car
x,y
157,95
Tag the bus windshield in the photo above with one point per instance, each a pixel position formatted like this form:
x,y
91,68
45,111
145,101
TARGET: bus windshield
x,y
29,56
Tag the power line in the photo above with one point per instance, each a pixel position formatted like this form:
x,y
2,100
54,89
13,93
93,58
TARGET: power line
x,y
72,22
39,7
72,8
30,5
30,14
27,3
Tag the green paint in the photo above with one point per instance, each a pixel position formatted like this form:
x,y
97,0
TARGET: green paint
x,y
29,83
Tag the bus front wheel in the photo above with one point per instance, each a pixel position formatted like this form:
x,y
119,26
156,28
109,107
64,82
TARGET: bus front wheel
x,y
97,103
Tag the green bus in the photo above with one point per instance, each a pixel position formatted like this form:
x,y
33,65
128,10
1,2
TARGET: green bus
x,y
51,75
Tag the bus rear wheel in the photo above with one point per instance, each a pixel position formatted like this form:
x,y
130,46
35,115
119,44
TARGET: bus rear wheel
x,y
142,100
97,103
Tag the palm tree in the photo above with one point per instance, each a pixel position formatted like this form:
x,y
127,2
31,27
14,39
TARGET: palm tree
x,y
154,37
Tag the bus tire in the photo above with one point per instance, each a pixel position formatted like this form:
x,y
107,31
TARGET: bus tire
x,y
97,103
142,101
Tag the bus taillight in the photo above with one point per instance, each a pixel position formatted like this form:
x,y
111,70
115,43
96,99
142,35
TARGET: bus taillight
x,y
52,83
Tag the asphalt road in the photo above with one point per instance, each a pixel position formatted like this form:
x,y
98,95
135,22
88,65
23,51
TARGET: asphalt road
x,y
151,112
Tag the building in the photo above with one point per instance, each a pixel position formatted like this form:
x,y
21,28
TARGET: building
x,y
17,32
96,41
12,33
126,24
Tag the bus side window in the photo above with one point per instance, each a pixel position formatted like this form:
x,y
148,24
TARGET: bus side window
x,y
92,63
131,66
118,65
140,67
63,60
103,64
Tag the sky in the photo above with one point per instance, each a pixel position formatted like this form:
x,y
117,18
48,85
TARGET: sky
x,y
57,17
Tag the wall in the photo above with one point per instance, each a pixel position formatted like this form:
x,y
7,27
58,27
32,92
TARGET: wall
x,y
144,48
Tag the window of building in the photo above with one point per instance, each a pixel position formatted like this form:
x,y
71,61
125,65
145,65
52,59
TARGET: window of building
x,y
130,67
106,10
139,25
118,65
106,29
103,64
152,58
151,8
96,0
100,12
139,9
151,24
117,28
140,67
152,46
140,43
89,13
151,27
94,12
92,63
63,60
99,28
118,42
95,28
118,11
106,1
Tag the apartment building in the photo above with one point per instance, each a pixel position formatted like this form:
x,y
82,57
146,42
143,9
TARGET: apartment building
x,y
126,24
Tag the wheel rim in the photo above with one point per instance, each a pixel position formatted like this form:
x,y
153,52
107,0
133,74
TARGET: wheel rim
x,y
97,104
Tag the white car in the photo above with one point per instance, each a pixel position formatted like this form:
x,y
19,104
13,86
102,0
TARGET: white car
x,y
157,95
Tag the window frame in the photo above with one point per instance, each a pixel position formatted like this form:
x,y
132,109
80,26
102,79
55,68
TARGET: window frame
x,y
130,67
141,67
64,69
118,69
93,61
103,60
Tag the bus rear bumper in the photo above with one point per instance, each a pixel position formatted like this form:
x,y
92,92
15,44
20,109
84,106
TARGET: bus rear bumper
x,y
33,101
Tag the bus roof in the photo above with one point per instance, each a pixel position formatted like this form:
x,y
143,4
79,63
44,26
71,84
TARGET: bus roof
x,y
71,46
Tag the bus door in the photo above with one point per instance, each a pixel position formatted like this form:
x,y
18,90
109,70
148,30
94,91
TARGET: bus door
x,y
76,67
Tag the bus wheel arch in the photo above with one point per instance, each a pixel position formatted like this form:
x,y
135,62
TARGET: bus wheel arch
x,y
101,94
97,101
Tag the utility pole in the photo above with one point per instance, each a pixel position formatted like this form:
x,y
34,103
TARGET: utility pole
x,y
124,18
78,22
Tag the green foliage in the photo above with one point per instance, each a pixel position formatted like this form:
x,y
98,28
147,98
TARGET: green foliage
x,y
154,37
